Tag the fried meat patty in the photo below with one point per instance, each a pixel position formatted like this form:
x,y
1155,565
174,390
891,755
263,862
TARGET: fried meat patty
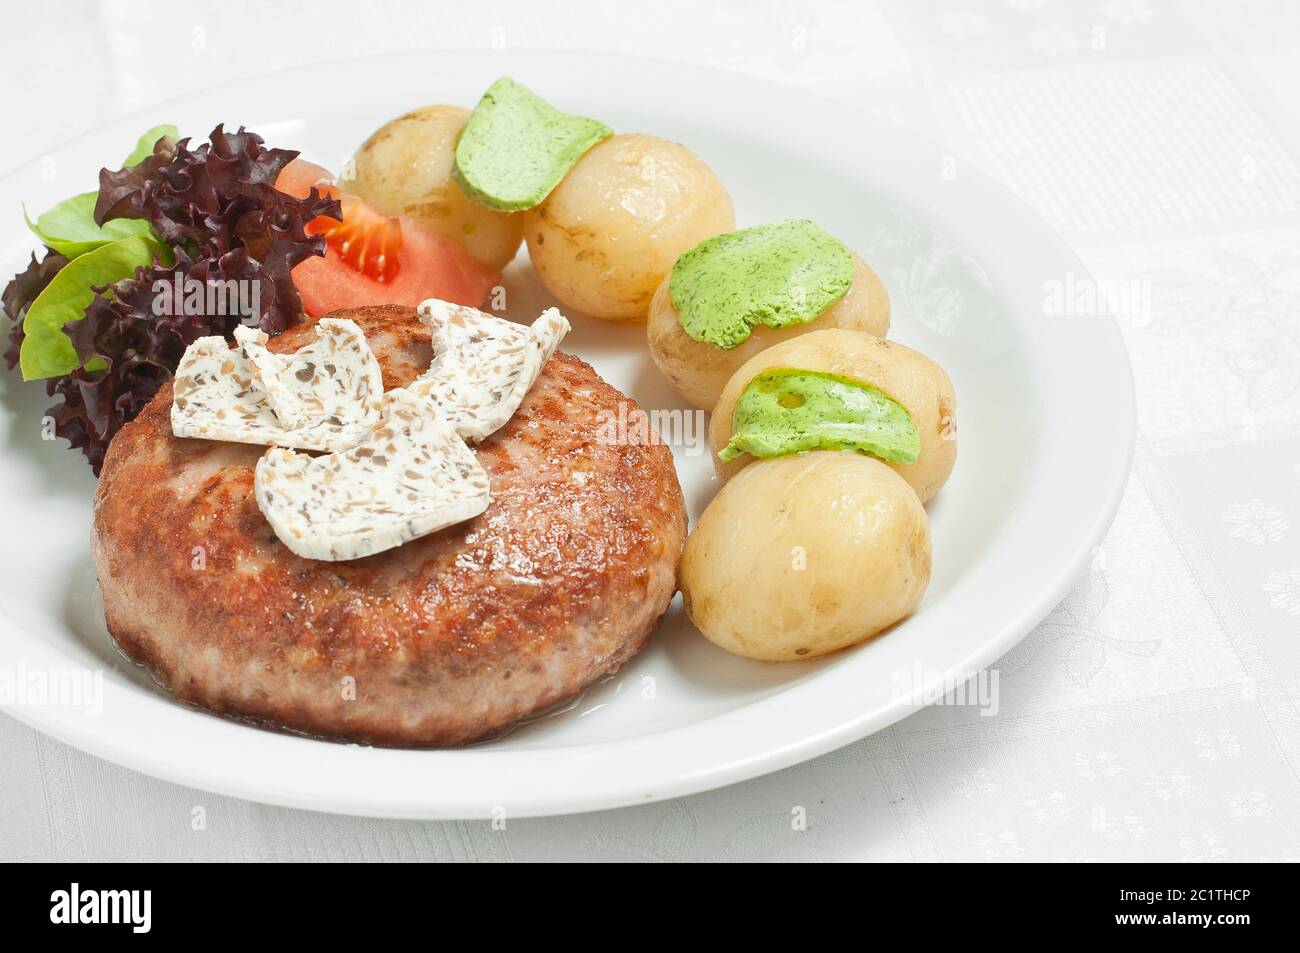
x,y
446,639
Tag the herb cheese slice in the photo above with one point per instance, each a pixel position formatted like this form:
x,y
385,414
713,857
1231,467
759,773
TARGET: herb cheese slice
x,y
483,366
411,476
328,392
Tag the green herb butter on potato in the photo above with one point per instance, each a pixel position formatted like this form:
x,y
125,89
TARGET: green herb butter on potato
x,y
917,383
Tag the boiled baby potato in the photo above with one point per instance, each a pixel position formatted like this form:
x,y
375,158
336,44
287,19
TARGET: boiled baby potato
x,y
699,370
907,376
405,169
608,233
800,556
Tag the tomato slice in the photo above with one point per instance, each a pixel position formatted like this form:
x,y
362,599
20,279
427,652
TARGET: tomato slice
x,y
417,264
430,266
300,176
366,239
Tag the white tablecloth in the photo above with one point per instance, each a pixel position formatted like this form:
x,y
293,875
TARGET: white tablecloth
x,y
1154,715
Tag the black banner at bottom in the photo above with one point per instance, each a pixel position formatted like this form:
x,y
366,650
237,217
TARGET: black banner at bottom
x,y
337,902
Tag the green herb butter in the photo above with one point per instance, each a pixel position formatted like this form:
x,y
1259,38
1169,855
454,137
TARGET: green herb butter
x,y
785,410
777,275
516,147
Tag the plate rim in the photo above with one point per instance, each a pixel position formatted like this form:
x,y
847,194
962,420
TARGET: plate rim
x,y
594,759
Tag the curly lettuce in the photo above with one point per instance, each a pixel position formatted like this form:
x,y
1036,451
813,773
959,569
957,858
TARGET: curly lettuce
x,y
70,229
172,213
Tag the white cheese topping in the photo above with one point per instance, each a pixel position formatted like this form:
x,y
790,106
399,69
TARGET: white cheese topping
x,y
325,396
483,366
397,466
412,475
216,396
328,393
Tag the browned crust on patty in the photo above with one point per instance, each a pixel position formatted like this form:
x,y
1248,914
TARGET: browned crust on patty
x,y
446,639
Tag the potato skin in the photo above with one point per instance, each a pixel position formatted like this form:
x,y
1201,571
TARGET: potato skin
x,y
405,169
605,237
801,556
698,371
907,376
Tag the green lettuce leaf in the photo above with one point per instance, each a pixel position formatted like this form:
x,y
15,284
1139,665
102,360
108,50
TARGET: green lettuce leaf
x,y
46,350
144,147
69,228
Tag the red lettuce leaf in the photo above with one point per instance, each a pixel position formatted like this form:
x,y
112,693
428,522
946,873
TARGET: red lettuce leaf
x,y
21,292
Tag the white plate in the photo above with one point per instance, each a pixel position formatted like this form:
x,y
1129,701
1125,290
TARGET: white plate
x,y
1045,411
